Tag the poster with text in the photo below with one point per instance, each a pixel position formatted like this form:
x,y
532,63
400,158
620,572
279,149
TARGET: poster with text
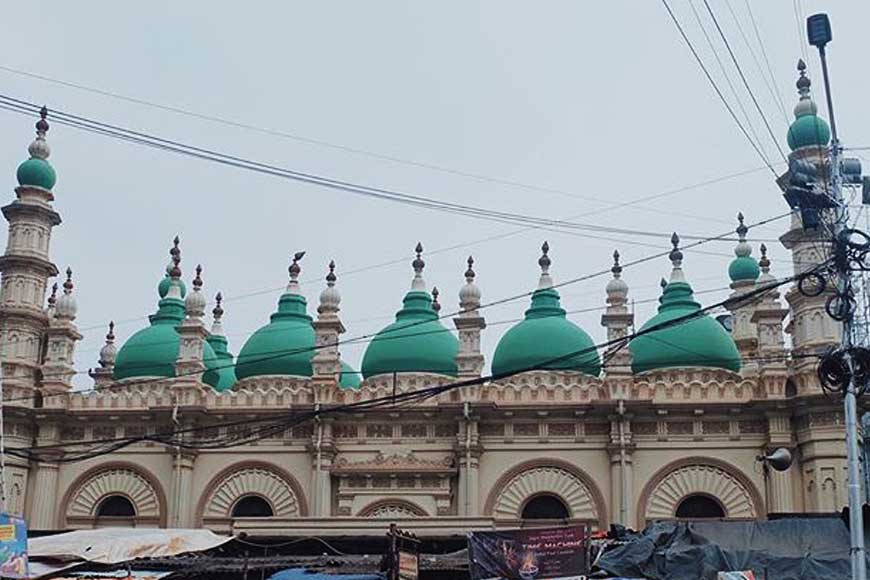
x,y
13,547
530,554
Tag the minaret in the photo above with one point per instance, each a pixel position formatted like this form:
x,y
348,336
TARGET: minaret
x,y
103,374
189,365
26,267
767,318
743,272
618,321
469,323
58,367
326,362
811,328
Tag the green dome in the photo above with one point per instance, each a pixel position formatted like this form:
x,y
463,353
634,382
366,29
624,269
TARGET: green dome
x,y
415,342
152,351
743,268
163,287
546,339
36,172
225,368
282,347
699,342
808,130
350,379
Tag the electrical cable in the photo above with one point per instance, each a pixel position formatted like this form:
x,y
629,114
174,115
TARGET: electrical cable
x,y
776,92
745,82
716,87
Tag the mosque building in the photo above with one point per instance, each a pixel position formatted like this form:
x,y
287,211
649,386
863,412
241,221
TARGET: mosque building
x,y
670,426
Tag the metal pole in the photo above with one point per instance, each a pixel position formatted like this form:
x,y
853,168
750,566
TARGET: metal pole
x,y
2,446
850,404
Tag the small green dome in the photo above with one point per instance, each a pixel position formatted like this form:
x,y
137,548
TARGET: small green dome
x,y
546,339
808,130
699,342
743,268
36,172
415,342
350,379
152,351
225,368
285,346
165,283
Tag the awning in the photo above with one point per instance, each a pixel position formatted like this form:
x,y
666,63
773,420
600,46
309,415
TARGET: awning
x,y
302,574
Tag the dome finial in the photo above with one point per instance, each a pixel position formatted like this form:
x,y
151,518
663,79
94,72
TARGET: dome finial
x,y
330,298
39,147
663,283
174,270
617,289
194,303
109,351
545,262
469,294
743,249
295,269
676,257
52,299
436,306
217,314
743,268
66,306
617,268
418,264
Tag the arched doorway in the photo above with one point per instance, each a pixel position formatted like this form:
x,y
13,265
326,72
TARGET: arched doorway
x,y
115,506
545,506
252,506
699,506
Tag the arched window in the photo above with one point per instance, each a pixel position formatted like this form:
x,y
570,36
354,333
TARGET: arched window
x,y
545,507
116,506
252,506
699,506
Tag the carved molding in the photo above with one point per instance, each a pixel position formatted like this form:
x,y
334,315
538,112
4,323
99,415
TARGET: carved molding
x,y
84,496
397,461
266,481
392,509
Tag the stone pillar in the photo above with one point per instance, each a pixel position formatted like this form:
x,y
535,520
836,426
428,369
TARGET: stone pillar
x,y
468,455
182,506
620,450
780,493
43,493
323,453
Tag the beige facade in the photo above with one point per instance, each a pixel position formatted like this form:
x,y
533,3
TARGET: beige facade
x,y
623,448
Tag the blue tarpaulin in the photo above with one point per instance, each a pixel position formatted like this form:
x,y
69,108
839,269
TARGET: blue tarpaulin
x,y
303,574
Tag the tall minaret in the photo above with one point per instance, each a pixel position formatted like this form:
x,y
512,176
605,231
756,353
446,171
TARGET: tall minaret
x,y
25,267
58,367
469,323
744,272
811,328
618,321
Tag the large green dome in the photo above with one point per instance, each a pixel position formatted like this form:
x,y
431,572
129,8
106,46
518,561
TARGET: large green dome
x,y
546,339
699,342
415,342
36,172
152,351
285,346
225,367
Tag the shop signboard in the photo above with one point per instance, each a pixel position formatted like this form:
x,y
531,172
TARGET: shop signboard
x,y
13,547
530,554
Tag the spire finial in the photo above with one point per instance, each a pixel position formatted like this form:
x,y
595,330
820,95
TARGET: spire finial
x,y
295,269
39,147
545,262
218,310
418,264
330,298
174,270
469,294
436,306
805,105
663,283
66,306
469,273
764,262
617,268
108,352
676,257
52,299
197,281
743,249
194,303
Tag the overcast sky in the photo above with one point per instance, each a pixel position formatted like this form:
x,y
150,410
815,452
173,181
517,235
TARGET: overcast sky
x,y
600,101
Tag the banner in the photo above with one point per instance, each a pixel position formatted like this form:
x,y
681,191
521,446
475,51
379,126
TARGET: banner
x,y
532,554
13,547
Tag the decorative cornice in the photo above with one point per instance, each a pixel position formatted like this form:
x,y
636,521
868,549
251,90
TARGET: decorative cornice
x,y
397,462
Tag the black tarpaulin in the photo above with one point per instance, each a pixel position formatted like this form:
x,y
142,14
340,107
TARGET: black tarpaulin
x,y
788,549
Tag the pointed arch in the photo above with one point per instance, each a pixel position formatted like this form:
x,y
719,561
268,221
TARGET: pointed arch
x,y
265,480
705,476
529,479
130,481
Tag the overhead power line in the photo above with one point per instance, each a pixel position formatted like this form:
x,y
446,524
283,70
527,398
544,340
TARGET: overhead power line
x,y
716,87
745,82
776,92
